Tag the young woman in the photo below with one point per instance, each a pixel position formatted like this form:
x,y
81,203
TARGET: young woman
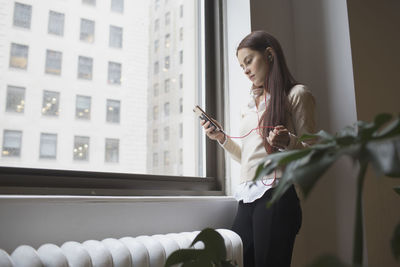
x,y
281,110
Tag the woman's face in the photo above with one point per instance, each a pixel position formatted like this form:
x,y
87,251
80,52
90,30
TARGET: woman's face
x,y
254,65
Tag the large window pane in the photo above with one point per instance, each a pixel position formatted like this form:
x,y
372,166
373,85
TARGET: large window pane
x,y
114,86
22,15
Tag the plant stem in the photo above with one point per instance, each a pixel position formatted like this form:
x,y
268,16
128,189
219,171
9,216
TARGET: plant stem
x,y
358,225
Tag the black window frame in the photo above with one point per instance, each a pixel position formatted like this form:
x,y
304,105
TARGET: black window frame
x,y
15,180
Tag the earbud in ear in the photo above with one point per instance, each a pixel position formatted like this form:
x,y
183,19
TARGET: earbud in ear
x,y
270,58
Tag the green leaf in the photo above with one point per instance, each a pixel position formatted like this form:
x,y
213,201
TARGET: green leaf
x,y
395,242
322,135
385,156
327,261
214,244
390,130
397,189
183,255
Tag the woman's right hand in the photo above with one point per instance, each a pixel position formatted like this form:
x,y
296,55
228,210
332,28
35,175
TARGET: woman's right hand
x,y
211,132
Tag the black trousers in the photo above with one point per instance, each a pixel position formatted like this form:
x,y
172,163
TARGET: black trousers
x,y
268,234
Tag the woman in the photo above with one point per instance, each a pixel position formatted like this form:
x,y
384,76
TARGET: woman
x,y
282,110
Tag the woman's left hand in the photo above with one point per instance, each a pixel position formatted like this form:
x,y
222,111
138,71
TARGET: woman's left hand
x,y
279,137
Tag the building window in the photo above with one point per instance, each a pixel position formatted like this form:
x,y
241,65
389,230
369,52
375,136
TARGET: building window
x,y
166,158
156,89
48,146
12,143
156,45
113,110
85,67
181,81
114,73
181,34
56,23
181,11
167,18
155,136
155,159
117,6
83,104
51,103
15,99
181,57
156,66
89,2
167,85
167,40
115,36
181,156
156,25
180,105
112,150
19,56
155,112
87,30
22,15
166,133
81,148
180,130
53,62
166,63
166,109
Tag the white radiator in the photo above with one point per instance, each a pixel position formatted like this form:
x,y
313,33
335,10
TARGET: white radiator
x,y
141,251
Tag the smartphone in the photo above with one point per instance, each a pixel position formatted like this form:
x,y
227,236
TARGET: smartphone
x,y
204,116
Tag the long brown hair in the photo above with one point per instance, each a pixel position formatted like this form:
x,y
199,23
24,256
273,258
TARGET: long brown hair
x,y
279,81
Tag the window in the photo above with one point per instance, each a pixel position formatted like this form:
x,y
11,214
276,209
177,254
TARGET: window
x,y
166,109
166,63
89,2
155,159
156,67
22,15
166,158
181,11
156,4
87,31
167,18
181,57
113,110
166,133
85,66
15,99
83,104
156,45
53,62
56,23
180,130
181,81
12,143
167,85
114,73
181,156
48,146
81,148
19,56
156,89
155,136
115,36
167,40
181,34
155,112
112,150
156,25
181,105
117,6
51,103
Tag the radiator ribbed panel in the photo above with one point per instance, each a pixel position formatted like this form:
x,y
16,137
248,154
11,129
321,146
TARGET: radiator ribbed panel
x,y
141,251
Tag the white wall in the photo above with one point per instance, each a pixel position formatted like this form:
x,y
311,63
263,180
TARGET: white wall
x,y
35,220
